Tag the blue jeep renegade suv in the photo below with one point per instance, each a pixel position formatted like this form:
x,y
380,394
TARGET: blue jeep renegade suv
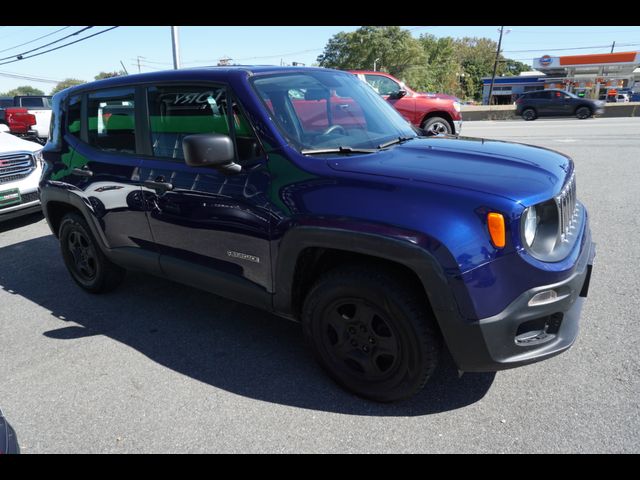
x,y
300,191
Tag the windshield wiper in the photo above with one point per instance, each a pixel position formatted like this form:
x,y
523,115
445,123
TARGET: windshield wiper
x,y
394,141
341,149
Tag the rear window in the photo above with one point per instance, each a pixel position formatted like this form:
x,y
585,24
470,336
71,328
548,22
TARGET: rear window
x,y
33,102
111,115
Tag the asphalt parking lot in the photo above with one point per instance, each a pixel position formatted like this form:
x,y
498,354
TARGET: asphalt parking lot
x,y
158,367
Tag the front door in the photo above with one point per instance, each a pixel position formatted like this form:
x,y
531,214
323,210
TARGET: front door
x,y
386,87
210,227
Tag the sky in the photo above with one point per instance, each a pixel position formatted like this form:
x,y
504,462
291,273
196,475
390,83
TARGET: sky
x,y
256,45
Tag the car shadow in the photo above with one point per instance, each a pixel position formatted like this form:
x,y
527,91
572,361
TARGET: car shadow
x,y
19,222
222,343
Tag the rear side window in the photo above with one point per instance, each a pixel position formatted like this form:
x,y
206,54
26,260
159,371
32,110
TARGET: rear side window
x,y
73,116
111,115
178,111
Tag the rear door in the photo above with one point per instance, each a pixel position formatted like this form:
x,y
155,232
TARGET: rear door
x,y
101,167
542,102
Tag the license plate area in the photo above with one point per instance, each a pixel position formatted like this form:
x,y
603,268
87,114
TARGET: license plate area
x,y
10,197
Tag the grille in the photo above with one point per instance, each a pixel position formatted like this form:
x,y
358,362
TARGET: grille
x,y
567,207
15,166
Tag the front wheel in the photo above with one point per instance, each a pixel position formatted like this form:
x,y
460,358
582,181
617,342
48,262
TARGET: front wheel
x,y
371,332
436,126
86,263
583,112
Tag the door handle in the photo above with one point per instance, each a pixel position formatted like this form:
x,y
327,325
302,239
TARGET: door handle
x,y
159,187
82,172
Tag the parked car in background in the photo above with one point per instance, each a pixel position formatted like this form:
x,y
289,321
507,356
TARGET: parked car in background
x,y
20,171
302,192
623,97
27,116
540,103
433,112
8,439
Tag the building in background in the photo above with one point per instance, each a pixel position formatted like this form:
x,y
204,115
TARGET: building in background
x,y
595,76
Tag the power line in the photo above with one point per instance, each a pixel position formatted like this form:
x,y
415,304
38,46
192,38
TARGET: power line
x,y
31,78
260,57
14,33
35,39
18,55
61,46
569,48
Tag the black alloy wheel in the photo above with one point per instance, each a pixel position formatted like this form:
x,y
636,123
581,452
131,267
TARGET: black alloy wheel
x,y
88,266
372,331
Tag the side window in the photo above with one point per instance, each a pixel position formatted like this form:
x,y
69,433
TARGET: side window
x,y
73,116
111,115
382,85
178,111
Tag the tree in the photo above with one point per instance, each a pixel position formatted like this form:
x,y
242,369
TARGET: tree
x,y
392,49
103,75
66,83
23,90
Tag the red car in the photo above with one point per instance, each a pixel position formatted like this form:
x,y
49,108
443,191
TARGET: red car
x,y
435,113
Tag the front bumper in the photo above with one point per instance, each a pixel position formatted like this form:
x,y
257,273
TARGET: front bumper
x,y
457,127
523,334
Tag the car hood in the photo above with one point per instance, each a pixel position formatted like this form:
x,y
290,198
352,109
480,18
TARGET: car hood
x,y
519,172
10,143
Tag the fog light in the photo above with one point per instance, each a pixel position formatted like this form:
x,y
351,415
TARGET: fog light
x,y
542,298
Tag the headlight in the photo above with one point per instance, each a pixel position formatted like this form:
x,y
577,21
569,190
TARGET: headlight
x,y
456,106
39,158
530,225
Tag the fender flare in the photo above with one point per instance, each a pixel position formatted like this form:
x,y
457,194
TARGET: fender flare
x,y
403,252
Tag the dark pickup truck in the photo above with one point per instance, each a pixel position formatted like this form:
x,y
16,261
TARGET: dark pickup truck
x,y
27,116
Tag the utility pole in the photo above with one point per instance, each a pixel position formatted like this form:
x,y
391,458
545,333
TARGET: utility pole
x,y
125,68
495,65
138,57
176,48
613,46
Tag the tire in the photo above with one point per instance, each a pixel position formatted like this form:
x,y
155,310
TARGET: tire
x,y
86,263
583,112
529,114
436,126
371,332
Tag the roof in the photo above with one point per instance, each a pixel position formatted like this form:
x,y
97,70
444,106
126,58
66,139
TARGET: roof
x,y
222,73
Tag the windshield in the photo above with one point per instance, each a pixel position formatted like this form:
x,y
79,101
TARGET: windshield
x,y
325,110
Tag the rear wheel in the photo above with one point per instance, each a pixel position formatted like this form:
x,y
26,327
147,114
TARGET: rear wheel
x,y
436,126
372,332
583,112
529,114
86,263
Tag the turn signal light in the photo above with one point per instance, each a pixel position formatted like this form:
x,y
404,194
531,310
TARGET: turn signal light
x,y
495,221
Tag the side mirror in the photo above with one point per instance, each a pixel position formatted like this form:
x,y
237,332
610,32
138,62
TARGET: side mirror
x,y
210,150
398,94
